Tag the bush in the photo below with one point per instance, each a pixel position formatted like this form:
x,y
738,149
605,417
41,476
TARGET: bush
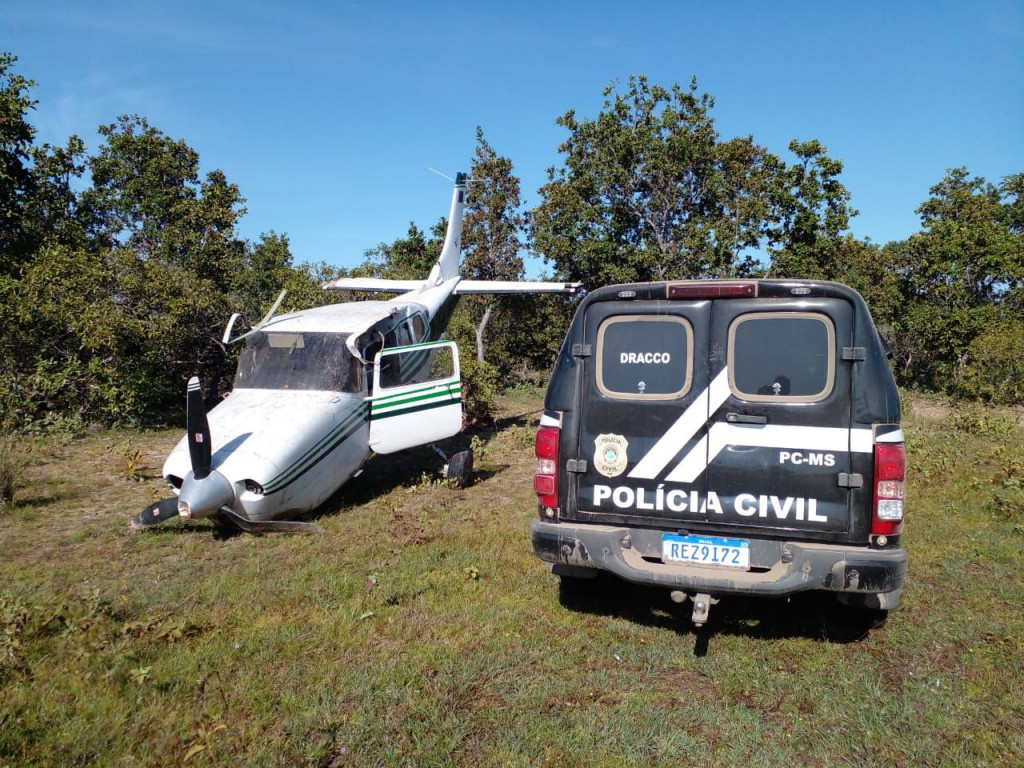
x,y
481,383
994,370
14,459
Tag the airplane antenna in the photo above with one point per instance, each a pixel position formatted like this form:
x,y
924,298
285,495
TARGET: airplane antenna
x,y
444,175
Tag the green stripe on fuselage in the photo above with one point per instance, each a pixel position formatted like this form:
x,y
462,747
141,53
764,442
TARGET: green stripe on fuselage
x,y
452,394
413,408
315,453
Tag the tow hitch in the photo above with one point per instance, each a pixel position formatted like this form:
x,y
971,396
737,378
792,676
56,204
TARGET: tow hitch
x,y
702,603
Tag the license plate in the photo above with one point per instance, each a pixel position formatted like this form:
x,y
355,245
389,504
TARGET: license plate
x,y
705,550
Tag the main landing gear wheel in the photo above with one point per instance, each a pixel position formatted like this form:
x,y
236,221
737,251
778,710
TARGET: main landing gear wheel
x,y
460,468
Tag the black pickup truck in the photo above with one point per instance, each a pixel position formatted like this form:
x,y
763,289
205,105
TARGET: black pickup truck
x,y
734,437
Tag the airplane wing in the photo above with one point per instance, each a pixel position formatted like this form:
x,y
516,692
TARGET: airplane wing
x,y
373,284
465,287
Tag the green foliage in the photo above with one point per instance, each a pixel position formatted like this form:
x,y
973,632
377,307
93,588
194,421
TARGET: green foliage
x,y
961,280
490,236
641,195
528,330
108,337
147,197
481,384
810,213
978,421
16,179
408,258
305,285
650,192
994,364
493,221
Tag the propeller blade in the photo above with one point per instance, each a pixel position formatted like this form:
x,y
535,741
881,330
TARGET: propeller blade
x,y
198,430
156,513
278,526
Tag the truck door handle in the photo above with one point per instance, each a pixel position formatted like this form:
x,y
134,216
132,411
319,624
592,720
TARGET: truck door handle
x,y
745,418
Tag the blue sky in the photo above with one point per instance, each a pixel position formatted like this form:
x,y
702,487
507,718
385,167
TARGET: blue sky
x,y
329,114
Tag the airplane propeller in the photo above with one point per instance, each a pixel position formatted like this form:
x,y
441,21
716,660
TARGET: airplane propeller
x,y
199,450
156,513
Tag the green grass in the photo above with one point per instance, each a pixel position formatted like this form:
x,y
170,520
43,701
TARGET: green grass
x,y
420,629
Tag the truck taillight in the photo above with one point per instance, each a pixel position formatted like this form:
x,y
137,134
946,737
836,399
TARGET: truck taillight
x,y
545,481
890,473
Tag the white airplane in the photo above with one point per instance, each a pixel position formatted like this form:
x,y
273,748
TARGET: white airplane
x,y
319,391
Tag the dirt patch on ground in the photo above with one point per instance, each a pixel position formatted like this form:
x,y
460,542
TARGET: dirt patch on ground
x,y
931,407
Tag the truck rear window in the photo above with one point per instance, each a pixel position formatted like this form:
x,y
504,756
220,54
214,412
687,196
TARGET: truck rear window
x,y
644,357
782,356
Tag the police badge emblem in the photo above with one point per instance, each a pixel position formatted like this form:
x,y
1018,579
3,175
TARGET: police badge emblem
x,y
610,455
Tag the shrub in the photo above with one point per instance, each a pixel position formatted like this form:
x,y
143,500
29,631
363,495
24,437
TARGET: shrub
x,y
995,364
481,383
14,459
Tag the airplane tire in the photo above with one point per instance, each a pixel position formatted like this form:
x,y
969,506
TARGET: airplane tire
x,y
460,468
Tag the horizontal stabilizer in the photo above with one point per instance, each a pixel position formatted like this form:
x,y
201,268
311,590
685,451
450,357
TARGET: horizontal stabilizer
x,y
462,288
373,284
466,287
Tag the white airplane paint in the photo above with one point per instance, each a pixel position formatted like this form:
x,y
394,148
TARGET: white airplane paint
x,y
317,392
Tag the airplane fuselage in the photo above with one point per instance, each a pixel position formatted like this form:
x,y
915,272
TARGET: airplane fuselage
x,y
296,426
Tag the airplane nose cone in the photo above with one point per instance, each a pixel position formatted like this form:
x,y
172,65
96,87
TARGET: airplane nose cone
x,y
202,498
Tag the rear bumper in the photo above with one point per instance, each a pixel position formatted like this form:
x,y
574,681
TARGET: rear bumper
x,y
634,555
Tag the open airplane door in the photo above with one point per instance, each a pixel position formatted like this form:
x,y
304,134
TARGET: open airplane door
x,y
417,396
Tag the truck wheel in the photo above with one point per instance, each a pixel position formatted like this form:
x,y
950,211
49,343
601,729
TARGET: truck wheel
x,y
460,468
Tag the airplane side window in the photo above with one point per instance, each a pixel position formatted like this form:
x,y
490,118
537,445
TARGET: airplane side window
x,y
419,365
419,328
390,374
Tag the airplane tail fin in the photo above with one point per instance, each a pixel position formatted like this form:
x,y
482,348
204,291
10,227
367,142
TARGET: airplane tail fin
x,y
447,265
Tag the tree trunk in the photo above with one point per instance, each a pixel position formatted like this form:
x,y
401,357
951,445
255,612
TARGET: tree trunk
x,y
480,334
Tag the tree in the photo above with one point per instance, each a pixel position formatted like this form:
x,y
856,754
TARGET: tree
x,y
810,211
490,233
53,210
38,204
264,271
408,258
16,178
648,192
113,296
748,174
147,197
962,278
1012,193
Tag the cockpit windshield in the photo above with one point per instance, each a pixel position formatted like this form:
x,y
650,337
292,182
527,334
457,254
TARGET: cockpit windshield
x,y
303,361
